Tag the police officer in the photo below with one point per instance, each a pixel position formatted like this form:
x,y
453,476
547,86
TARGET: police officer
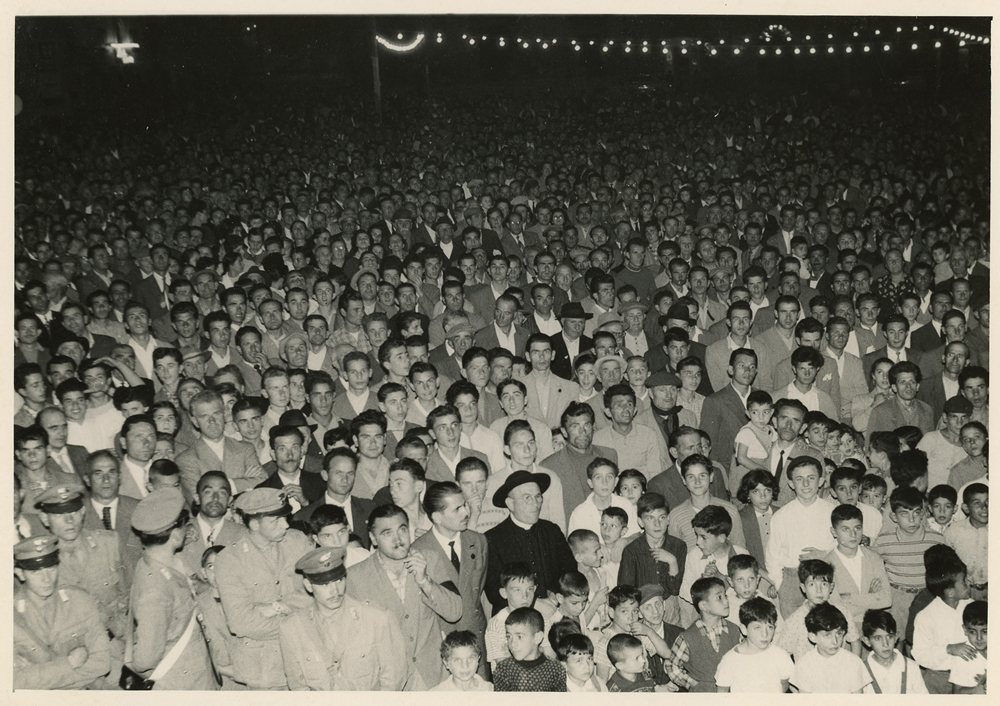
x,y
338,643
258,586
60,640
167,645
89,558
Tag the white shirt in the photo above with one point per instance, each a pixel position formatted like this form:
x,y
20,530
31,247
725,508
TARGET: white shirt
x,y
314,361
216,447
853,564
358,402
144,355
446,543
935,627
346,505
550,326
795,527
505,341
140,474
950,387
573,348
207,529
587,516
99,509
891,678
488,442
220,362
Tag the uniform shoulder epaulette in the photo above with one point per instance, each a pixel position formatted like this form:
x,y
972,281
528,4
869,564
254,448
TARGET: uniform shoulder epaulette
x,y
63,595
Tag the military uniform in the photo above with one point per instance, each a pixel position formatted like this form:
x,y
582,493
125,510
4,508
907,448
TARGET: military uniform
x,y
218,637
250,581
47,630
163,605
93,563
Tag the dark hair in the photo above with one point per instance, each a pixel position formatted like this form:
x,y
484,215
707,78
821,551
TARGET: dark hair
x,y
622,593
459,638
713,519
945,575
573,583
324,516
569,640
906,498
751,480
815,569
436,493
846,473
517,570
758,610
975,614
701,587
878,620
621,645
824,618
526,617
843,513
579,537
384,512
648,502
616,513
630,474
873,481
909,435
741,562
972,490
943,492
468,464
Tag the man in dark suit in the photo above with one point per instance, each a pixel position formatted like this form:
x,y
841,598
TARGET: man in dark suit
x,y
504,313
340,470
459,336
152,290
724,412
64,457
457,556
291,469
74,318
485,296
895,329
573,319
100,274
955,356
107,509
931,335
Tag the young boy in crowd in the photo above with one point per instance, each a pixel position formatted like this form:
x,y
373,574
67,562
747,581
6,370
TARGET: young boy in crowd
x,y
755,439
939,639
216,628
601,477
942,501
632,673
883,448
698,650
816,582
517,587
845,489
571,604
828,668
712,551
614,527
859,574
527,669
746,582
328,528
902,549
890,671
460,654
969,677
969,537
756,665
576,652
623,605
874,491
815,429
589,556
654,556
651,611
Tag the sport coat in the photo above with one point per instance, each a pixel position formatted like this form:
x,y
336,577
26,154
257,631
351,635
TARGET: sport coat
x,y
487,338
827,378
926,338
932,392
481,297
417,615
129,546
562,365
240,464
561,393
343,410
470,580
312,484
190,555
770,346
360,510
724,414
859,598
852,382
439,471
77,458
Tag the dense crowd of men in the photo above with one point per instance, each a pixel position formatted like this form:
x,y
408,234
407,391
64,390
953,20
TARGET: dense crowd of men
x,y
535,396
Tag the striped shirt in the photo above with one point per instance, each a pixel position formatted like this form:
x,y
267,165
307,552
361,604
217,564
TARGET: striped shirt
x,y
904,555
679,522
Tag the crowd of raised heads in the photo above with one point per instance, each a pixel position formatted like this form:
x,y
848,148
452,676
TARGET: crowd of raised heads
x,y
524,395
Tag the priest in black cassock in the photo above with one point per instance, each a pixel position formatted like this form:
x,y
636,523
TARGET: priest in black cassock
x,y
524,537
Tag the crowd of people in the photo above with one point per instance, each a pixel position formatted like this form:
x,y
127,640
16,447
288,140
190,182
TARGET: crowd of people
x,y
534,396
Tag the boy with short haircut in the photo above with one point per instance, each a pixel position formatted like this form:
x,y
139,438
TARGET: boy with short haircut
x,y
755,439
614,526
217,633
602,475
697,472
571,600
328,527
816,583
858,572
651,611
845,489
939,639
969,677
460,654
746,582
623,605
527,669
698,650
874,491
589,556
654,556
517,587
890,671
576,652
883,449
712,551
943,502
631,673
828,668
969,537
815,429
902,549
756,665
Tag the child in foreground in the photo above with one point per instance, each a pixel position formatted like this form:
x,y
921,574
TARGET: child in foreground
x,y
527,669
576,652
756,665
969,677
890,671
828,668
628,656
461,656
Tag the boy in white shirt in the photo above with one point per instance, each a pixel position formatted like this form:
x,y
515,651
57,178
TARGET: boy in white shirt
x,y
756,665
602,475
939,639
969,676
460,654
712,551
828,668
890,671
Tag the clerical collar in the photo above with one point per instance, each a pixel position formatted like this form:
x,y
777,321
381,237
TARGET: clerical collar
x,y
520,524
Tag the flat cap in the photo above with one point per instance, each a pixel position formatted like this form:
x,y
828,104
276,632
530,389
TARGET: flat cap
x,y
323,565
158,511
37,552
663,378
294,336
610,358
442,222
650,591
460,329
192,352
958,405
630,306
61,499
263,501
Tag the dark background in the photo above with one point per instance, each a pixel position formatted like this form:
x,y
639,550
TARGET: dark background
x,y
188,66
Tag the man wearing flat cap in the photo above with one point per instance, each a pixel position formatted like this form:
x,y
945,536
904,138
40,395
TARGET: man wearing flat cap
x,y
89,558
570,342
523,536
259,588
60,640
163,608
338,643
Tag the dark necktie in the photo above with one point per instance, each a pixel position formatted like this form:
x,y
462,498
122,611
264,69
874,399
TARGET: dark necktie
x,y
780,469
106,517
454,557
